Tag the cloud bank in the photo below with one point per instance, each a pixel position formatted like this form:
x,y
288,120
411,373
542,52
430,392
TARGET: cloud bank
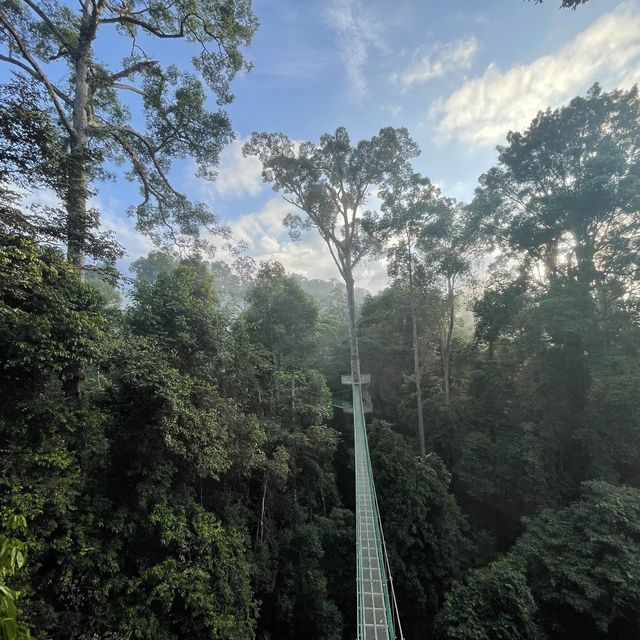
x,y
266,238
442,60
480,113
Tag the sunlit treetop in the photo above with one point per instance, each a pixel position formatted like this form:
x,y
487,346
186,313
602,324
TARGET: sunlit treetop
x,y
330,183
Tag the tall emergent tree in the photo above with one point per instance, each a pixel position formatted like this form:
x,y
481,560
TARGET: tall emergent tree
x,y
410,206
428,241
565,194
54,44
330,183
563,204
447,252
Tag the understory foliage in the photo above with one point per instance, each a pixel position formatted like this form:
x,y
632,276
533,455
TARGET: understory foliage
x,y
12,557
202,485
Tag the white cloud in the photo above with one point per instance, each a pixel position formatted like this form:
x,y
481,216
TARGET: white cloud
x,y
443,59
482,111
460,190
357,32
301,63
372,275
265,222
263,232
237,175
266,238
38,196
393,109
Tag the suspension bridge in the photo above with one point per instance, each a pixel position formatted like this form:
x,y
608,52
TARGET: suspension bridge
x,y
378,617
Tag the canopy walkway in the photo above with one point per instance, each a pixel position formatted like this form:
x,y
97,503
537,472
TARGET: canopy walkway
x,y
374,583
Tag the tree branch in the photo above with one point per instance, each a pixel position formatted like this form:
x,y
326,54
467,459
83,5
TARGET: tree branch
x,y
151,28
128,87
152,156
51,90
112,129
129,71
147,26
33,74
147,188
327,235
138,167
52,27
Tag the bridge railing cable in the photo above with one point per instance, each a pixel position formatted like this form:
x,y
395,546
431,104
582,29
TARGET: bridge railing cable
x,y
378,616
389,574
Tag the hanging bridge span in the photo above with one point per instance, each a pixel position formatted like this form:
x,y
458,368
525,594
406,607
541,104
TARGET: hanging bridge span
x,y
377,611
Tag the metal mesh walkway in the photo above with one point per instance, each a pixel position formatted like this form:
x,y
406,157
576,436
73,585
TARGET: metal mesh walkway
x,y
374,610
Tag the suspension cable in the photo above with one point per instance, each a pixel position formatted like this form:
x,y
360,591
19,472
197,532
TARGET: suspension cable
x,y
386,561
384,545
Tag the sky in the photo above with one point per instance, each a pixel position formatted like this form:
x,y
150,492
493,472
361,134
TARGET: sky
x,y
458,74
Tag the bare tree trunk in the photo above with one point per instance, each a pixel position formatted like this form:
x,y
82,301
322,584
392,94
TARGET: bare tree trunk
x,y
293,400
77,175
416,358
77,192
76,201
446,348
446,374
353,329
260,528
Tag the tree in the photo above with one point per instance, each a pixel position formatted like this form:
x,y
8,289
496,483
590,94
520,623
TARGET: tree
x,y
181,311
432,246
582,564
532,399
566,193
385,334
170,558
491,603
412,209
105,288
32,155
299,520
329,183
40,39
48,321
282,315
233,281
560,320
500,473
169,561
149,267
29,146
282,319
406,205
49,445
447,250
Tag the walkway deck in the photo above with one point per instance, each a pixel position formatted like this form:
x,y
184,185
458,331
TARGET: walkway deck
x,y
374,611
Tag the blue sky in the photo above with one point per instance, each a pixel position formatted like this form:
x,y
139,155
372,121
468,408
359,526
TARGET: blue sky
x,y
458,74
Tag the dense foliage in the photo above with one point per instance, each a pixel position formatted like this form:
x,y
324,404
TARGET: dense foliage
x,y
202,485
